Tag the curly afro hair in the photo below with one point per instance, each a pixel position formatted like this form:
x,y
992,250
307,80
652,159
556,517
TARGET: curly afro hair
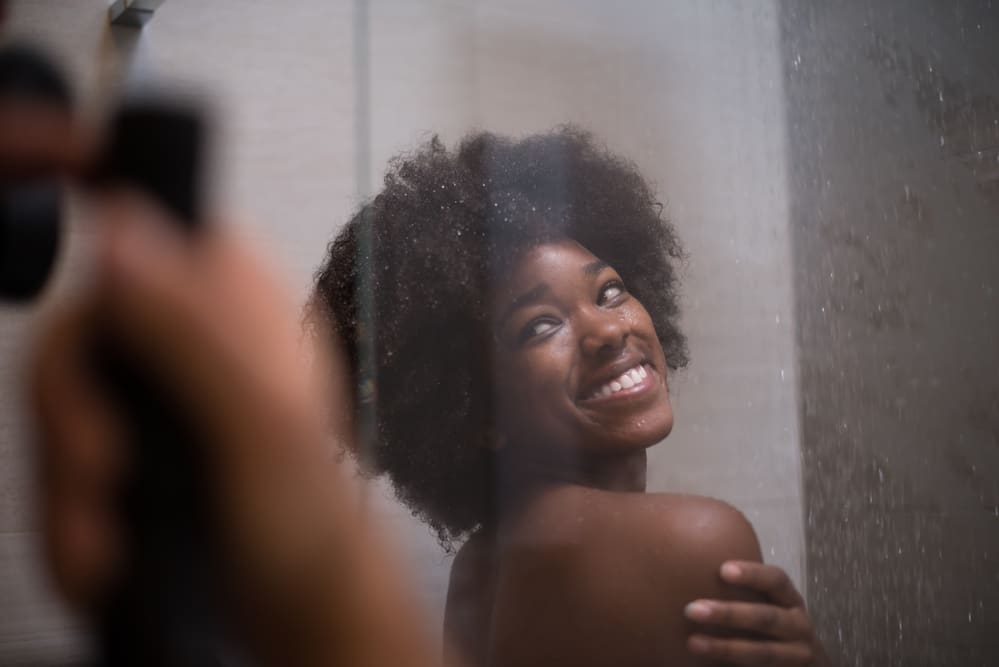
x,y
416,266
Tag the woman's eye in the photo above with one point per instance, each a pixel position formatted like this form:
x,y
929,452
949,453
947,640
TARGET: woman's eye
x,y
610,291
537,327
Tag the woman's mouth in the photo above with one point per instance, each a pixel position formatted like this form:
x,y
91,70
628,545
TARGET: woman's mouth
x,y
633,381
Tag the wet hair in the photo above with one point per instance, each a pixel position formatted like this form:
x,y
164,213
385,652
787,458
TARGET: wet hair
x,y
416,266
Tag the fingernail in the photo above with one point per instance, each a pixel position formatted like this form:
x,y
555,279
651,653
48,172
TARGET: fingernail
x,y
697,611
731,571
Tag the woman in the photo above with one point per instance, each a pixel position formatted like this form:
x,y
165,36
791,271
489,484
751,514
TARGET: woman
x,y
523,299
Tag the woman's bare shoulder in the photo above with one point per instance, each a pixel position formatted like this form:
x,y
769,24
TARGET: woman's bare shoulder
x,y
675,524
705,527
604,577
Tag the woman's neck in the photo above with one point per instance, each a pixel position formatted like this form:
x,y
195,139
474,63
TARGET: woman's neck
x,y
527,474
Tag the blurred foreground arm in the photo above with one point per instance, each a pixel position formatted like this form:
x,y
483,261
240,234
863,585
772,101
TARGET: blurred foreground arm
x,y
313,582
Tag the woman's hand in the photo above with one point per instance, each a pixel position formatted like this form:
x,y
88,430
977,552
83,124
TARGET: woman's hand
x,y
784,631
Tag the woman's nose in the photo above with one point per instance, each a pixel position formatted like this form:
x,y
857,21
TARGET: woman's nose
x,y
603,333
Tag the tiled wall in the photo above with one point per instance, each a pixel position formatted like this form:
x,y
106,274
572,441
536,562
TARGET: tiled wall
x,y
691,91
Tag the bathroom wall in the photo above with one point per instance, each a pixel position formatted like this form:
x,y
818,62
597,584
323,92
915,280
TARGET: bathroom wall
x,y
691,91
893,157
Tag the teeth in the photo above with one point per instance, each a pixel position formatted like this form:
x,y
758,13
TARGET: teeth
x,y
627,380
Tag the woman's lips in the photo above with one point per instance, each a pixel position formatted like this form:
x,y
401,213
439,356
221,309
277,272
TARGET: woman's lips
x,y
634,381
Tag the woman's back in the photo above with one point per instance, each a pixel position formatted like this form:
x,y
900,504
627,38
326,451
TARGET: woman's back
x,y
589,577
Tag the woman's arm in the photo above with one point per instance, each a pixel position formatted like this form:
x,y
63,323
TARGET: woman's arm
x,y
597,578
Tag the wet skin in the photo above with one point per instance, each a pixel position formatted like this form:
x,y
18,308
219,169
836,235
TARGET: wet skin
x,y
583,567
567,334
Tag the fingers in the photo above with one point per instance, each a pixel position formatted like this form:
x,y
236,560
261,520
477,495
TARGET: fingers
x,y
766,619
202,311
752,653
208,319
75,422
79,460
145,272
770,580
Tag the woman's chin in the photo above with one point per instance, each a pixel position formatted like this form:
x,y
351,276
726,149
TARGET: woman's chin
x,y
658,428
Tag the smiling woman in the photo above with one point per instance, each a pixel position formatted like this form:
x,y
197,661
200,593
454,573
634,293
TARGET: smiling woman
x,y
579,366
525,323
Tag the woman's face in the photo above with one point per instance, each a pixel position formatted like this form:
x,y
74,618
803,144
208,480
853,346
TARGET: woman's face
x,y
578,363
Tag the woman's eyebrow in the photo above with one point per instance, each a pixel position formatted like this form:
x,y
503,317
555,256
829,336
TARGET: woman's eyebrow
x,y
532,295
593,268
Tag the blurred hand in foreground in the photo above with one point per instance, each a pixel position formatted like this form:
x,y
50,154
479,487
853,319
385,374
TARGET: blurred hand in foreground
x,y
315,585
